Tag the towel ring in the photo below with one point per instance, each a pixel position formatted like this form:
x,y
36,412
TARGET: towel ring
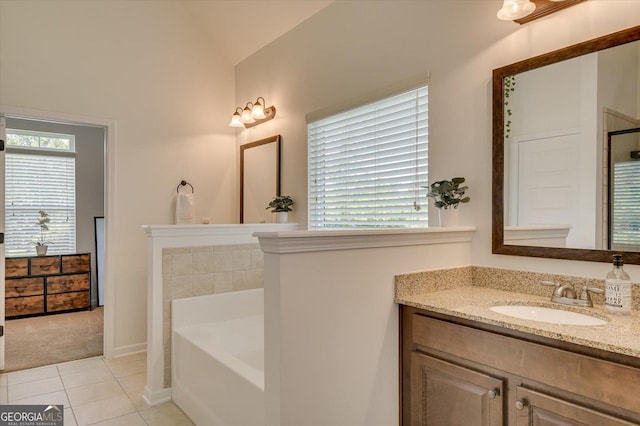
x,y
184,183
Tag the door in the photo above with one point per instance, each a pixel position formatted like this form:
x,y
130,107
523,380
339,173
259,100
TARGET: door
x,y
447,394
3,138
552,188
537,409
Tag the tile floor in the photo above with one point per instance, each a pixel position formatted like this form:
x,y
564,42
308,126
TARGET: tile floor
x,y
94,391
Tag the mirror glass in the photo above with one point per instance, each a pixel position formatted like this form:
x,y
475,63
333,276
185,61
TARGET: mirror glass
x,y
623,189
557,189
259,178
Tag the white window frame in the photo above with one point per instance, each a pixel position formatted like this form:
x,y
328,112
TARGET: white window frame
x,y
340,156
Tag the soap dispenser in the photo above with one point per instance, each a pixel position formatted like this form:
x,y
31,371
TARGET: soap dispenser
x,y
618,289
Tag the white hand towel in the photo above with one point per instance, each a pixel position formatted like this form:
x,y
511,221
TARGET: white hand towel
x,y
185,209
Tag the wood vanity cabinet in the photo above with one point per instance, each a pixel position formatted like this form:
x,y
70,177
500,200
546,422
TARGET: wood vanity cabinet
x,y
47,284
460,372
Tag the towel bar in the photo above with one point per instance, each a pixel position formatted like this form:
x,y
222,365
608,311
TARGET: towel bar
x,y
184,183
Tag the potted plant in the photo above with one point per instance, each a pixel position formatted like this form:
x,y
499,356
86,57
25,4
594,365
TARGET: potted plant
x,y
41,244
281,206
448,195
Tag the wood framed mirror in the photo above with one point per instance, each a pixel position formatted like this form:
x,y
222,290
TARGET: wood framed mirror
x,y
550,153
259,178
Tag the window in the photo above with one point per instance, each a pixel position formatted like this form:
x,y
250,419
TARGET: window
x,y
626,199
368,165
39,175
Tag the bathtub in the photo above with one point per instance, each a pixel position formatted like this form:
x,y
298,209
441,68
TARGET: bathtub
x,y
217,362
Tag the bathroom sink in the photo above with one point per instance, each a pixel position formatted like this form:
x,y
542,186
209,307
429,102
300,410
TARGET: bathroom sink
x,y
550,315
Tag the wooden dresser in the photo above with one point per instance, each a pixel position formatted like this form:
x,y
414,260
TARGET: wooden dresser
x,y
47,284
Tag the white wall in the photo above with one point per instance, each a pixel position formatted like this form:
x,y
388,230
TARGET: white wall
x,y
142,65
350,49
331,324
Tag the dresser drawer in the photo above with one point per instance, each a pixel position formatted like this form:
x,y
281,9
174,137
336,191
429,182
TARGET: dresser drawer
x,y
65,283
16,287
76,263
45,265
16,267
30,305
67,301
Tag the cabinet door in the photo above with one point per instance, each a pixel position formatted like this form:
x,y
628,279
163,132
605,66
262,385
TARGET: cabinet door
x,y
537,409
443,393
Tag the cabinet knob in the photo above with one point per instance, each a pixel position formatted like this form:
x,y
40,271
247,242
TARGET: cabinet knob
x,y
493,393
520,404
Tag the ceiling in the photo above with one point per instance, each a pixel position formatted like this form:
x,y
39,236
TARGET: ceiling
x,y
238,28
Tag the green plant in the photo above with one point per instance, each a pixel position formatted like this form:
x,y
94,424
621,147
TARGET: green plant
x,y
44,227
448,193
281,203
509,87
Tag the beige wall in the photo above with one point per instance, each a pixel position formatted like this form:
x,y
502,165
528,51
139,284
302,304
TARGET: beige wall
x,y
142,65
351,49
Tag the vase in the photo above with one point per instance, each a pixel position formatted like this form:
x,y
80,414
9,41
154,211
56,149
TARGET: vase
x,y
282,217
41,250
449,217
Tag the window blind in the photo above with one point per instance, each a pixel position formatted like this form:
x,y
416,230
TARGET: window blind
x,y
368,166
36,182
626,199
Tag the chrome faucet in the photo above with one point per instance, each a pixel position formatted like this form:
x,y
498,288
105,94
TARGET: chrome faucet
x,y
566,294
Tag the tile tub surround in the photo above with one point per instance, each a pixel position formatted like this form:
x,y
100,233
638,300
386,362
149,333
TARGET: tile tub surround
x,y
183,282
199,271
468,293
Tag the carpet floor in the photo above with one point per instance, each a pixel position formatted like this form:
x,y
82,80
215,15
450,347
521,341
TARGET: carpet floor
x,y
51,339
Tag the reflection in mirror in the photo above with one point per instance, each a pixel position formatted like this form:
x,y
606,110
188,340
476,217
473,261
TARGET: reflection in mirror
x,y
624,190
552,115
259,178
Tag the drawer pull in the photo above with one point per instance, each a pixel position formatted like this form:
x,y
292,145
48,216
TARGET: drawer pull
x,y
493,393
520,404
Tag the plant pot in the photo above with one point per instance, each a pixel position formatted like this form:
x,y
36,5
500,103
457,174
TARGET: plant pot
x,y
282,217
42,250
449,217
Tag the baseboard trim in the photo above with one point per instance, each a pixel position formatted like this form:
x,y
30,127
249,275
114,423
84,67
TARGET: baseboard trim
x,y
156,397
129,349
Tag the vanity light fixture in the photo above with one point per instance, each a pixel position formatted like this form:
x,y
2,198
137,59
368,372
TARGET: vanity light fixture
x,y
523,11
252,114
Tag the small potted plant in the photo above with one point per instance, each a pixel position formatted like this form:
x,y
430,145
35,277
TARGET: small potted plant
x,y
281,206
448,195
41,244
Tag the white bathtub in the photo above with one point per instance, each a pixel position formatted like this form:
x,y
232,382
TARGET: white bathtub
x,y
217,360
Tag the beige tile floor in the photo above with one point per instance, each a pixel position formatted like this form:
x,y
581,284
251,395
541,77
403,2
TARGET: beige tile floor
x,y
94,391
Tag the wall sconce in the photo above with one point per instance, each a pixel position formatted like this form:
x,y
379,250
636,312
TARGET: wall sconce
x,y
252,114
523,11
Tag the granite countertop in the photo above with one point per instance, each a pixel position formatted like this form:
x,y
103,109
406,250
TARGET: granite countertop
x,y
620,335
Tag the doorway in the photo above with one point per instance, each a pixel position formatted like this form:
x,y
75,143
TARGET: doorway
x,y
50,337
